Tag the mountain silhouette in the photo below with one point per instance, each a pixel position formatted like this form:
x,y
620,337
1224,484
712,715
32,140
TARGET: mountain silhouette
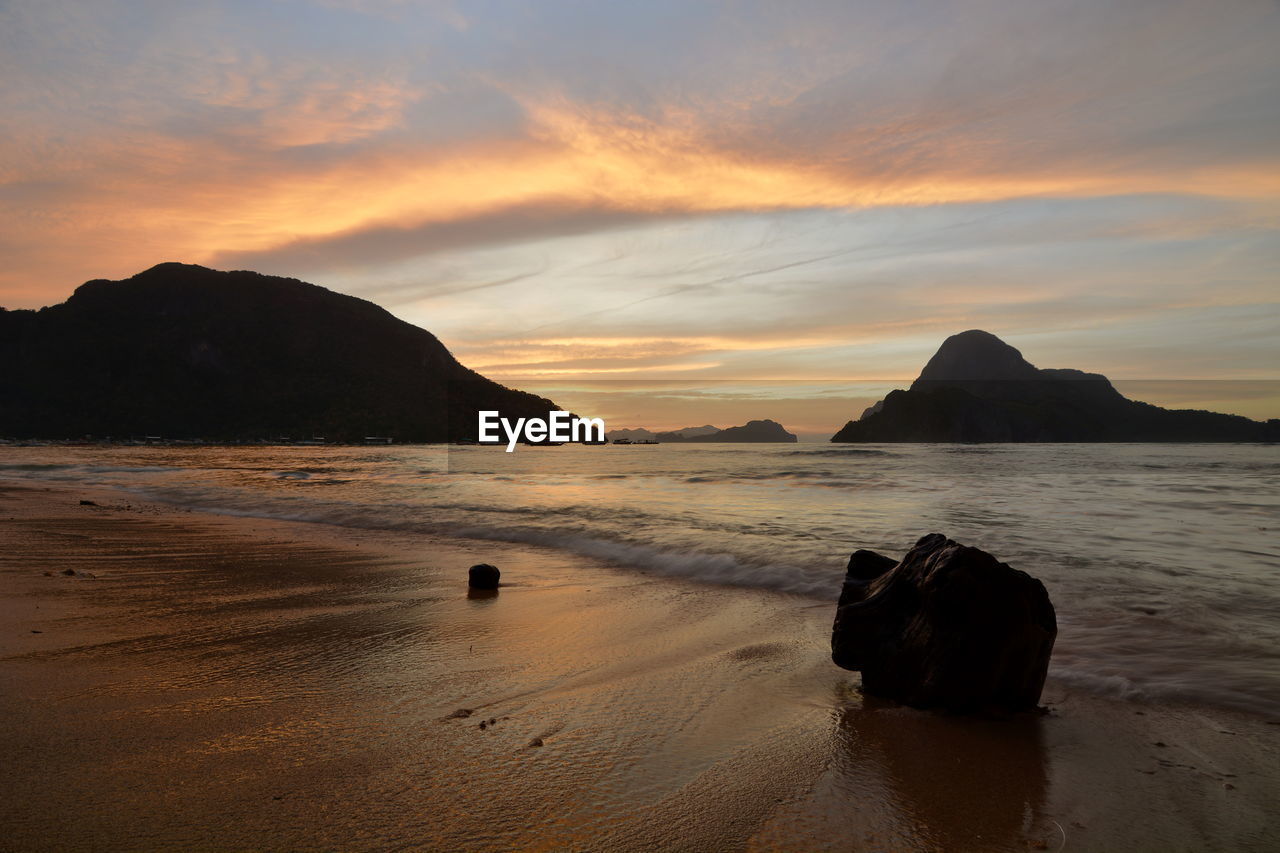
x,y
688,432
752,431
638,434
182,351
977,388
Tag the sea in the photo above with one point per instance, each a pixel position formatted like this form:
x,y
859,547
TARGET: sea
x,y
1162,560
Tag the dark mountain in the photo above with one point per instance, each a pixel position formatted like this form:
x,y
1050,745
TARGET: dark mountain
x,y
693,432
977,388
757,431
640,434
182,351
688,432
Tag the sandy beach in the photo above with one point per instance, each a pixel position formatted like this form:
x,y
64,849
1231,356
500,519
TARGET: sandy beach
x,y
220,683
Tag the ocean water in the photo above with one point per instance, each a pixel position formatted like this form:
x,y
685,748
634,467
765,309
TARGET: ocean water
x,y
1163,561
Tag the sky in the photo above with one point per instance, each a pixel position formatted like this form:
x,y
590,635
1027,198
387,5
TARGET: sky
x,y
770,202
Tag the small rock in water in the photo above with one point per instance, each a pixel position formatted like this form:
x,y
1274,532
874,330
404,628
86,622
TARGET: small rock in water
x,y
536,742
69,572
87,503
948,626
483,576
483,725
459,714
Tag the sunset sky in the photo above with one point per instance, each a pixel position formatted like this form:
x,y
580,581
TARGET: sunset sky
x,y
681,191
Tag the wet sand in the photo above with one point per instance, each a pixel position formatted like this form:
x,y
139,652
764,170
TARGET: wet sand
x,y
232,683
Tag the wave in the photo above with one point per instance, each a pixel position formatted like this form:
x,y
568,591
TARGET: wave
x,y
825,479
1191,693
843,452
1114,686
36,466
706,567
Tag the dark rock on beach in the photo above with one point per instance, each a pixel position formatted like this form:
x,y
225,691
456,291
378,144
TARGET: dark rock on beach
x,y
867,566
948,627
483,576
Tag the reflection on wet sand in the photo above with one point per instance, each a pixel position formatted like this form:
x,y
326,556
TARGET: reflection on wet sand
x,y
958,783
906,780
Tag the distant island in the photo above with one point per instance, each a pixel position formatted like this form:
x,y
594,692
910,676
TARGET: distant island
x,y
642,434
690,433
762,431
182,351
977,388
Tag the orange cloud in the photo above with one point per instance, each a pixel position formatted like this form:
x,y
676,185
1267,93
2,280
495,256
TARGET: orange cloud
x,y
157,196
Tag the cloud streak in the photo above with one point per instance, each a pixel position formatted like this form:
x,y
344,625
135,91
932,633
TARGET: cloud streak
x,y
246,148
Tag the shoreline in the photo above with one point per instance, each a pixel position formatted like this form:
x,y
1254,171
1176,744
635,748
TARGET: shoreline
x,y
230,682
